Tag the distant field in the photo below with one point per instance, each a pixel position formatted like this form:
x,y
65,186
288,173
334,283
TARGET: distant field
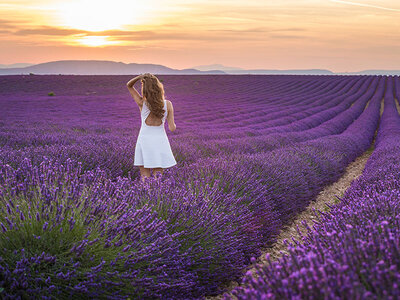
x,y
252,152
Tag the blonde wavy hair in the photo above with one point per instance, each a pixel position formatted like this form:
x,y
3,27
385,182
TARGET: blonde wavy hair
x,y
153,91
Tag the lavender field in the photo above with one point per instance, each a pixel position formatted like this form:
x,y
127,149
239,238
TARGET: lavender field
x,y
253,151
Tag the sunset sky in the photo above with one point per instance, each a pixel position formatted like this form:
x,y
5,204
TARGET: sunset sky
x,y
253,34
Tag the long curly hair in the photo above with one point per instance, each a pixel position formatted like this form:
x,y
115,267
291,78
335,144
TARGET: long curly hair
x,y
153,91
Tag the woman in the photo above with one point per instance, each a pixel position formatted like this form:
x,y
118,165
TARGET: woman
x,y
152,150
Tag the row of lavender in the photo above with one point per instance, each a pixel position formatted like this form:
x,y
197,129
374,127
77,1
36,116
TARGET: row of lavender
x,y
114,149
69,231
328,122
352,251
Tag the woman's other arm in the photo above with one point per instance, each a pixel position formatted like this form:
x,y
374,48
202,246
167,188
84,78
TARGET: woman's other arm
x,y
170,116
135,94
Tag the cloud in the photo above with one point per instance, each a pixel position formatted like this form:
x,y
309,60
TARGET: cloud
x,y
6,24
203,36
365,5
290,29
141,35
257,29
281,36
48,30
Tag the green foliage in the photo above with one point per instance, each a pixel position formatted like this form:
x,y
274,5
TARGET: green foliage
x,y
58,237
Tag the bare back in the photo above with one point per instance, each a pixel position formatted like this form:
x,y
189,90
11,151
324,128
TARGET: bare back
x,y
152,120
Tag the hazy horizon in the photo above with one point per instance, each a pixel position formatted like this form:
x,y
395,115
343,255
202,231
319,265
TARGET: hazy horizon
x,y
341,36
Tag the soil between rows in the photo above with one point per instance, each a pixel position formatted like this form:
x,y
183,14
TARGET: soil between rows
x,y
306,217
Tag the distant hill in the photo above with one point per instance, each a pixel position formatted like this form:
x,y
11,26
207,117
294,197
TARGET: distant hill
x,y
98,67
373,72
215,67
107,67
282,72
234,70
17,65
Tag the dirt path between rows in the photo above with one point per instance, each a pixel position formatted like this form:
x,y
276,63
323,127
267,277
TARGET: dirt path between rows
x,y
327,195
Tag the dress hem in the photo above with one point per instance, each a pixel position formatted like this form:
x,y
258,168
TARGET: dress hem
x,y
168,166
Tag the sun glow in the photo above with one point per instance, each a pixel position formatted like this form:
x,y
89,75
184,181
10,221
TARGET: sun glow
x,y
95,41
99,15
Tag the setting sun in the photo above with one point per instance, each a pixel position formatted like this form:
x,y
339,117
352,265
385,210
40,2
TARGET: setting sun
x,y
95,41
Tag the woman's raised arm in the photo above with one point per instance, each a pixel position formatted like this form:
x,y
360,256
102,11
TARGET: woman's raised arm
x,y
135,94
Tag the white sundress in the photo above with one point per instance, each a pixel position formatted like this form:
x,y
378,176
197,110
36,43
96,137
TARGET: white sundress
x,y
153,149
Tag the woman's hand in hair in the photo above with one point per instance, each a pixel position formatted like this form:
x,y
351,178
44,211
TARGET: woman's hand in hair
x,y
146,75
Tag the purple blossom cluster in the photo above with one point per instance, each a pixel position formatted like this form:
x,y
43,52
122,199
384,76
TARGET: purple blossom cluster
x,y
353,250
252,152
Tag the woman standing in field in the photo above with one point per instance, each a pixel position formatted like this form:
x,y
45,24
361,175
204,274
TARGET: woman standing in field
x,y
152,150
